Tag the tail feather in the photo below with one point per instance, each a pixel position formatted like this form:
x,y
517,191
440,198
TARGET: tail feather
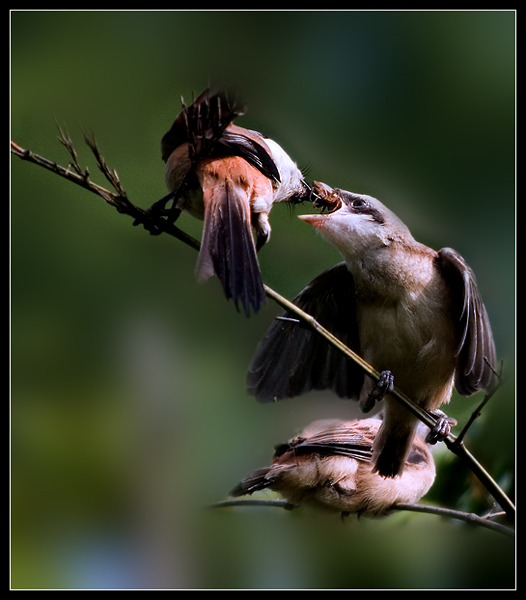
x,y
392,446
228,248
254,482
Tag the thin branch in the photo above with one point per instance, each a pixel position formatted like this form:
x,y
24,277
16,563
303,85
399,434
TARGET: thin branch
x,y
471,518
67,142
110,174
155,223
477,412
121,203
457,514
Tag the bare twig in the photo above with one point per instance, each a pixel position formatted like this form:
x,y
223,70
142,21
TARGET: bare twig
x,y
477,412
121,203
155,222
457,514
471,518
110,174
67,142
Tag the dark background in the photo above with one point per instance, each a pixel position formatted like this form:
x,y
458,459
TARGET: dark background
x,y
128,408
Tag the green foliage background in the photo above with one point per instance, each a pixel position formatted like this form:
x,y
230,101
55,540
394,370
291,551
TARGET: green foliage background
x,y
128,408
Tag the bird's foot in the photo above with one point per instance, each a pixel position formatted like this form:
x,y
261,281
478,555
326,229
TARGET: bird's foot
x,y
382,387
442,427
158,211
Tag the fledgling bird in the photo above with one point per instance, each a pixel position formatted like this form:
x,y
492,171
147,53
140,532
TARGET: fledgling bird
x,y
229,177
329,466
414,314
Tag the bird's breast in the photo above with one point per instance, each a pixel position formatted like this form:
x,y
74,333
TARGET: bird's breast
x,y
413,336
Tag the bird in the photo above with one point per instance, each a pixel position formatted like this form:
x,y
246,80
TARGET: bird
x,y
229,177
415,314
328,467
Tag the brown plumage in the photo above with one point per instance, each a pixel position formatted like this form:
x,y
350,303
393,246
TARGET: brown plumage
x,y
229,177
409,311
329,466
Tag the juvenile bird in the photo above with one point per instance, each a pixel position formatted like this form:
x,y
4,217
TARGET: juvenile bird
x,y
329,466
414,314
229,177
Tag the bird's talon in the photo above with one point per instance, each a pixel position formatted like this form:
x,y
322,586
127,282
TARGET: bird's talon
x,y
383,386
441,429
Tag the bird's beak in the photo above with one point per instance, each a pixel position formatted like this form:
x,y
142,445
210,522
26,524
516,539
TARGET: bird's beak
x,y
317,220
325,198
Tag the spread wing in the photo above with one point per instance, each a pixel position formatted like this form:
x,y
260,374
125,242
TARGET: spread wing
x,y
476,356
293,359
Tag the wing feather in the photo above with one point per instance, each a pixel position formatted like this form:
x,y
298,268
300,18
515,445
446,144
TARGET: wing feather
x,y
293,359
476,355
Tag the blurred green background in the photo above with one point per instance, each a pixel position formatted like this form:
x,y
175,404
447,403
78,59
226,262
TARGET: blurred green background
x,y
128,408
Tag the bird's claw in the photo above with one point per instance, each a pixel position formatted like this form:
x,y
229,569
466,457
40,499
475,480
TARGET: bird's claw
x,y
382,387
441,429
158,211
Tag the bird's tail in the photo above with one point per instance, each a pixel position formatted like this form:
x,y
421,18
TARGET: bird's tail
x,y
254,482
228,248
392,444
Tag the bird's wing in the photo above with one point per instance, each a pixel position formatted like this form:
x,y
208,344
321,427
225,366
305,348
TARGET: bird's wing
x,y
202,123
207,126
353,439
293,359
234,141
476,356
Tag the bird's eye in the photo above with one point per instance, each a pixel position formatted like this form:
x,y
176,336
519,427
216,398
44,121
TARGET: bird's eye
x,y
359,203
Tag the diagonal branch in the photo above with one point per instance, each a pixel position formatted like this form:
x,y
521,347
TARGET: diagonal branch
x,y
477,412
118,201
154,222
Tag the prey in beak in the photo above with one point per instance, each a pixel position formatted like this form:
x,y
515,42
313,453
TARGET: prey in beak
x,y
325,198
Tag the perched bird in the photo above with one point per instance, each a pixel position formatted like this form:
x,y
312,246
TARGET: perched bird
x,y
414,314
229,177
329,466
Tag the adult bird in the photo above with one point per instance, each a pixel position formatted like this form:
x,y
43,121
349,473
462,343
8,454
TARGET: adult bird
x,y
415,314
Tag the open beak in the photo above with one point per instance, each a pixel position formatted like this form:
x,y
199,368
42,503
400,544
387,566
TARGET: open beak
x,y
324,198
317,220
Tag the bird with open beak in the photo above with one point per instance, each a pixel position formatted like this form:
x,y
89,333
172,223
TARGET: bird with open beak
x,y
328,466
415,314
229,177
